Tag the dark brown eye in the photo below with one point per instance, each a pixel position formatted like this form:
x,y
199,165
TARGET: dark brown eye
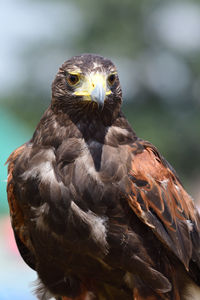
x,y
73,79
111,79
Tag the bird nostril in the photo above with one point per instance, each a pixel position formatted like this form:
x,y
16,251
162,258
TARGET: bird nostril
x,y
93,85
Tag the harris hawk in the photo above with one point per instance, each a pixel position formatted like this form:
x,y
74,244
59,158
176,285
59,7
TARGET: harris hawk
x,y
95,210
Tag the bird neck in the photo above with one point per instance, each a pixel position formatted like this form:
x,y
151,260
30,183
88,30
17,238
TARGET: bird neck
x,y
56,126
87,111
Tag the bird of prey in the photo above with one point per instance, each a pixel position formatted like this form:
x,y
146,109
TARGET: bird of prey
x,y
95,210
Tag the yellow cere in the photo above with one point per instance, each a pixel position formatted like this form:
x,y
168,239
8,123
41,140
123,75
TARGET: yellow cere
x,y
88,84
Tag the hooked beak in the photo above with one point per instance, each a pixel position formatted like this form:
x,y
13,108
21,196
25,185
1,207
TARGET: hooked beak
x,y
93,88
98,94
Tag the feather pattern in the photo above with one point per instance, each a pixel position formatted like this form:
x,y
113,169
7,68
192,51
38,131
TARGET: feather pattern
x,y
160,201
96,211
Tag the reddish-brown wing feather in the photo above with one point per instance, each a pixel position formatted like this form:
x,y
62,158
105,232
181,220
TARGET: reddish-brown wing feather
x,y
17,218
160,201
15,211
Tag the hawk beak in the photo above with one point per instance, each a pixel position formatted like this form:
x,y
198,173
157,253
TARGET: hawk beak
x,y
94,88
98,94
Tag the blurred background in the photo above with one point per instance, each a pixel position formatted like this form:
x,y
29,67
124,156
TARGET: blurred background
x,y
156,48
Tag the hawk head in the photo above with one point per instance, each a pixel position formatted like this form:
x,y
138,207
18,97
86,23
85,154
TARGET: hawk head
x,y
88,83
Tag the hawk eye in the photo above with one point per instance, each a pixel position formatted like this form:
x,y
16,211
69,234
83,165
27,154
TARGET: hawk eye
x,y
111,79
73,79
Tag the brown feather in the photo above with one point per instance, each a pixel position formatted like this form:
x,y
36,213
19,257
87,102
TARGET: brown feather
x,y
96,211
15,210
155,188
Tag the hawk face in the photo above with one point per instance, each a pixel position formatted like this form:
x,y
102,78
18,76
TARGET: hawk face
x,y
87,82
